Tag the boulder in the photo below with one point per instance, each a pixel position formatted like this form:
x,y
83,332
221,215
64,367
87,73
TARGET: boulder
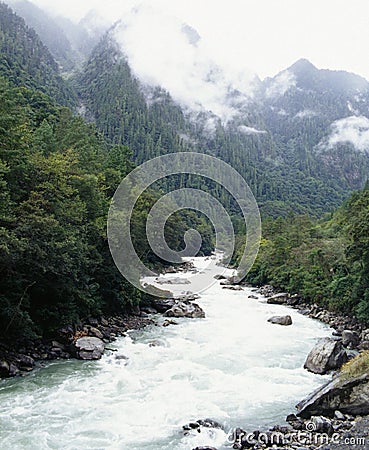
x,y
281,320
172,280
254,297
89,348
350,396
328,354
278,299
321,424
350,339
163,304
26,362
95,332
182,309
4,369
233,288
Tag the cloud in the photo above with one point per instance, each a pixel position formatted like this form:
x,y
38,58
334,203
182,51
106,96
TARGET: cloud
x,y
354,130
250,130
305,114
281,84
164,51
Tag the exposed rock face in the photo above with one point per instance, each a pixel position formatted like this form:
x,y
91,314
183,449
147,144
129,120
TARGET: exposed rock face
x,y
281,320
348,396
89,348
278,299
328,354
182,309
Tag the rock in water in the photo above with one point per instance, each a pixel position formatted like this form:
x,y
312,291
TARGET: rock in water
x,y
349,396
182,309
328,354
350,339
281,320
278,299
88,348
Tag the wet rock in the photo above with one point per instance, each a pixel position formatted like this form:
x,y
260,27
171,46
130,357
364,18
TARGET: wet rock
x,y
26,362
4,369
163,304
13,370
321,425
253,297
278,299
172,280
190,310
169,322
281,320
339,416
233,288
205,448
89,348
95,332
149,310
349,396
220,277
350,339
328,354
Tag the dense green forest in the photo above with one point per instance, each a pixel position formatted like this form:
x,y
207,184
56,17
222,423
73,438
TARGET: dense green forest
x,y
326,261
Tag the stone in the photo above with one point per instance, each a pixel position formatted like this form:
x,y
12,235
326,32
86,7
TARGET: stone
x,y
328,354
166,323
281,320
4,369
89,348
253,297
339,416
233,288
172,280
163,304
350,396
25,362
350,339
95,332
321,425
190,310
278,299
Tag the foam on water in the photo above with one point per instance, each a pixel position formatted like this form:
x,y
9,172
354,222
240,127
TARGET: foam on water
x,y
233,366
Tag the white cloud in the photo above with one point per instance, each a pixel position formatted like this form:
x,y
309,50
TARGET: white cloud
x,y
306,113
160,53
250,130
281,84
354,130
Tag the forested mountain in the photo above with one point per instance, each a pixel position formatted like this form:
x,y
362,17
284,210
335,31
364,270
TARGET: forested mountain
x,y
26,61
286,141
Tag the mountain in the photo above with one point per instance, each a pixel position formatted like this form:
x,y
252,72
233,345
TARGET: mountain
x,y
284,138
51,34
26,61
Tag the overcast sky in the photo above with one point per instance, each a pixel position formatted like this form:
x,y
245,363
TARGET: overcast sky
x,y
265,36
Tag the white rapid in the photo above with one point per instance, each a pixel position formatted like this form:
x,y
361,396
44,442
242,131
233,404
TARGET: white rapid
x,y
233,367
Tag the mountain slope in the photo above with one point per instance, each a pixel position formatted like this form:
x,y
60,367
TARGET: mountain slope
x,y
25,61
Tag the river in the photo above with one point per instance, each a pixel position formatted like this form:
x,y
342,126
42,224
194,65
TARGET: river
x,y
233,367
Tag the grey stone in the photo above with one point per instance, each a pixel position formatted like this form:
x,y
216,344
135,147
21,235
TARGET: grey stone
x,y
281,320
328,354
89,348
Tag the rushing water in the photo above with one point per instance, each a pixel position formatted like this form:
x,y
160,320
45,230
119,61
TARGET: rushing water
x,y
233,366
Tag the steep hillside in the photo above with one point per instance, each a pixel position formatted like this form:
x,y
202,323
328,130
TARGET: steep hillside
x,y
25,61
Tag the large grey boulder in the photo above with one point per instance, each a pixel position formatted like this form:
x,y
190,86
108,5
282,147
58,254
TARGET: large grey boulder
x,y
281,320
349,396
182,309
163,304
89,348
328,354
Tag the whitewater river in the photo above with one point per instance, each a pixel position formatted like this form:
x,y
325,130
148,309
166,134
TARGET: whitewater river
x,y
233,366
